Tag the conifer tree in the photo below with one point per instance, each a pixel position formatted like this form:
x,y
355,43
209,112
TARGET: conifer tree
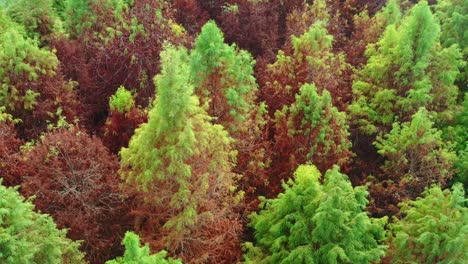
x,y
10,168
407,69
75,180
307,58
223,78
433,229
32,86
416,157
178,166
310,130
29,237
453,15
135,254
314,222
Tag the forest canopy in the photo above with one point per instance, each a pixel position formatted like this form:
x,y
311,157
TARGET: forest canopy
x,y
233,131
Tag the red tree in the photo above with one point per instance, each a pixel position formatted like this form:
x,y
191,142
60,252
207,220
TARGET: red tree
x,y
74,179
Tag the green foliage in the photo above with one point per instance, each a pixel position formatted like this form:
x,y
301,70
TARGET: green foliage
x,y
180,165
135,254
458,133
22,64
416,152
314,222
28,237
38,17
407,69
122,101
434,228
223,76
77,16
453,15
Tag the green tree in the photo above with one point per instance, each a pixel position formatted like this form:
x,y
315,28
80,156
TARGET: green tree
x,y
122,101
179,165
223,78
314,222
31,238
38,17
416,155
434,228
453,15
310,130
407,69
135,254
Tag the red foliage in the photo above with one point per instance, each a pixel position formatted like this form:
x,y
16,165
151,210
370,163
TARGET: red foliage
x,y
10,165
74,179
128,55
119,128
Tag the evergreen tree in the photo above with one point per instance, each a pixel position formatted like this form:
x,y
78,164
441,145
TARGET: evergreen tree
x,y
416,155
135,254
223,78
178,165
310,130
453,15
314,222
307,58
32,87
407,69
28,237
434,229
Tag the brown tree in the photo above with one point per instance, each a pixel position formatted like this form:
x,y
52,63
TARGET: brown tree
x,y
74,179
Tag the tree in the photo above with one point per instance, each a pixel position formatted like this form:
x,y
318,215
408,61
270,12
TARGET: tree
x,y
314,222
32,87
307,58
453,15
416,155
178,166
38,17
433,229
124,117
75,180
10,165
135,254
406,69
29,237
312,130
223,78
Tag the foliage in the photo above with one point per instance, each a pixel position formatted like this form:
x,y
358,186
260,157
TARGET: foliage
x,y
178,166
38,17
406,69
32,87
223,78
310,130
453,15
433,229
307,59
122,101
10,169
29,237
416,156
135,254
314,222
74,179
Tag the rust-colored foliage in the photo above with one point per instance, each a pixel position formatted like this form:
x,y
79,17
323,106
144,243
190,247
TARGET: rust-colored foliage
x,y
9,155
120,127
121,51
74,179
190,14
307,58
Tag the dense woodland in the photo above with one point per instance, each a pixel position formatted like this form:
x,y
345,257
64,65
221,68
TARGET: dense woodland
x,y
237,131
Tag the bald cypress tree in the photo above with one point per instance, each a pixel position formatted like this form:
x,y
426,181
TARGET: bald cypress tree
x,y
178,165
407,68
314,222
223,78
433,229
